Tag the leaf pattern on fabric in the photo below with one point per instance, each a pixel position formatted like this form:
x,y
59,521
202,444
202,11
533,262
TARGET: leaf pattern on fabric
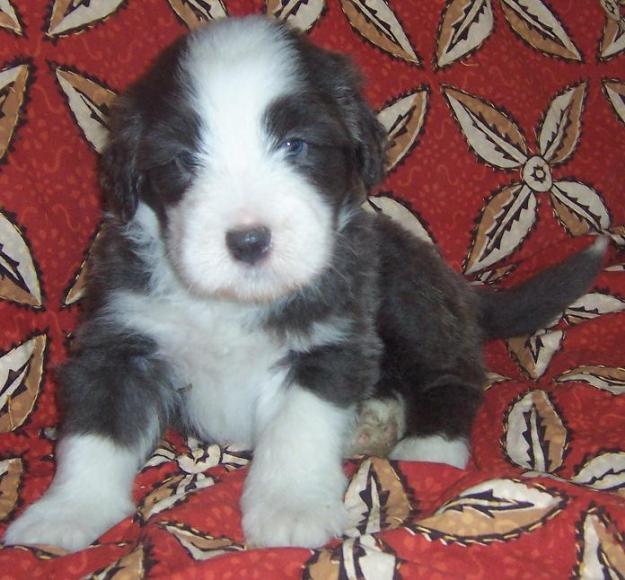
x,y
363,558
613,39
537,25
300,14
376,499
200,546
601,547
464,27
13,84
604,472
562,125
171,492
493,136
9,20
72,16
21,373
376,22
400,214
19,280
11,470
579,208
505,221
132,565
534,353
403,119
591,306
611,379
89,103
535,437
615,93
194,13
493,511
76,291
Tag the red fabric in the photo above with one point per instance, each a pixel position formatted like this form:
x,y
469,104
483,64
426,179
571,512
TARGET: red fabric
x,y
544,495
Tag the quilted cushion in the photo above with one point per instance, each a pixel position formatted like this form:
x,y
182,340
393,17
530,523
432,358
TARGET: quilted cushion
x,y
507,149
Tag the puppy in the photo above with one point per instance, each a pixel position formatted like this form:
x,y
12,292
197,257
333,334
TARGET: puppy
x,y
239,290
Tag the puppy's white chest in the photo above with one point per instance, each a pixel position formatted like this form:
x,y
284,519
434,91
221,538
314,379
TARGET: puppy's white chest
x,y
227,367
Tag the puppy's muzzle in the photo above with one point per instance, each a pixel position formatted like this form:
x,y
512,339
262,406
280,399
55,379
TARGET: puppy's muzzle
x,y
249,245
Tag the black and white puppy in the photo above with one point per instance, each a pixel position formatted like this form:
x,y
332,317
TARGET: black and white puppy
x,y
239,290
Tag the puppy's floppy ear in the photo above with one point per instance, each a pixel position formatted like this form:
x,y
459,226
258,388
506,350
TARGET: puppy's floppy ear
x,y
120,177
367,133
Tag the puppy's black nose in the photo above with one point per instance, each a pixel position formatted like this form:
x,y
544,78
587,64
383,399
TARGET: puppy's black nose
x,y
248,244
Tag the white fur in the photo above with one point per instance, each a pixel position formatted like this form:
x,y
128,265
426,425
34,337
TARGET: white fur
x,y
434,448
243,178
293,493
90,493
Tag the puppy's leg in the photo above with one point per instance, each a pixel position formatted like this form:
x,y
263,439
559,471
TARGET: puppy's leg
x,y
113,394
294,491
381,423
432,448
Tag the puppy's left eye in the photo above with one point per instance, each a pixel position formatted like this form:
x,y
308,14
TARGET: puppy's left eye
x,y
293,147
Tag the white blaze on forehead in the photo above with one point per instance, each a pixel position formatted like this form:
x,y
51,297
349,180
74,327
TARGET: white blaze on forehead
x,y
236,70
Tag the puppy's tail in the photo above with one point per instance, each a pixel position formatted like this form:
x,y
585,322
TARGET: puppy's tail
x,y
535,303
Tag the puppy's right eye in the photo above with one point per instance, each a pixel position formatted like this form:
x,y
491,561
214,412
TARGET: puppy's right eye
x,y
186,160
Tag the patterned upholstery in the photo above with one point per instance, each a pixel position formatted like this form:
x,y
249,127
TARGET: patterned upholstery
x,y
507,148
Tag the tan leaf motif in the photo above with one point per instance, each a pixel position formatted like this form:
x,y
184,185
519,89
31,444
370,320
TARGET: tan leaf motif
x,y
466,24
562,124
21,373
10,477
403,120
534,353
613,39
9,18
605,472
534,22
130,567
495,275
493,379
535,437
19,281
13,82
611,379
493,136
72,16
376,22
76,291
164,453
579,208
200,457
363,558
376,499
617,234
90,103
194,13
505,221
235,457
615,92
300,14
199,545
171,492
398,213
601,548
492,511
591,306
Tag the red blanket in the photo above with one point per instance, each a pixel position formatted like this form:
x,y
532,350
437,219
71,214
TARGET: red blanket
x,y
507,131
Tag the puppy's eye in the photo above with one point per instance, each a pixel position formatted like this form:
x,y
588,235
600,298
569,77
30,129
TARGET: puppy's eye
x,y
293,147
186,160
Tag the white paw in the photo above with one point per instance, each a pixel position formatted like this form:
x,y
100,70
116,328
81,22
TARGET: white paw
x,y
305,524
70,525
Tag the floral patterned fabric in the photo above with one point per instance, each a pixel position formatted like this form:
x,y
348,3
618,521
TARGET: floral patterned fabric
x,y
506,122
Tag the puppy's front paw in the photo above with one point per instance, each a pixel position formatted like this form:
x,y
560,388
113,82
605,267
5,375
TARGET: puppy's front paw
x,y
61,522
307,524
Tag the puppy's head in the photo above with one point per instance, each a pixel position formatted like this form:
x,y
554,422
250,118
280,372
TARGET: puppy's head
x,y
252,147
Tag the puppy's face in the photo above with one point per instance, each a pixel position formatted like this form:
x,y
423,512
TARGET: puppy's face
x,y
252,147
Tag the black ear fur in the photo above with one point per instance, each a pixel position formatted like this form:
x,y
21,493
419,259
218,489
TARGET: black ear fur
x,y
121,180
340,78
